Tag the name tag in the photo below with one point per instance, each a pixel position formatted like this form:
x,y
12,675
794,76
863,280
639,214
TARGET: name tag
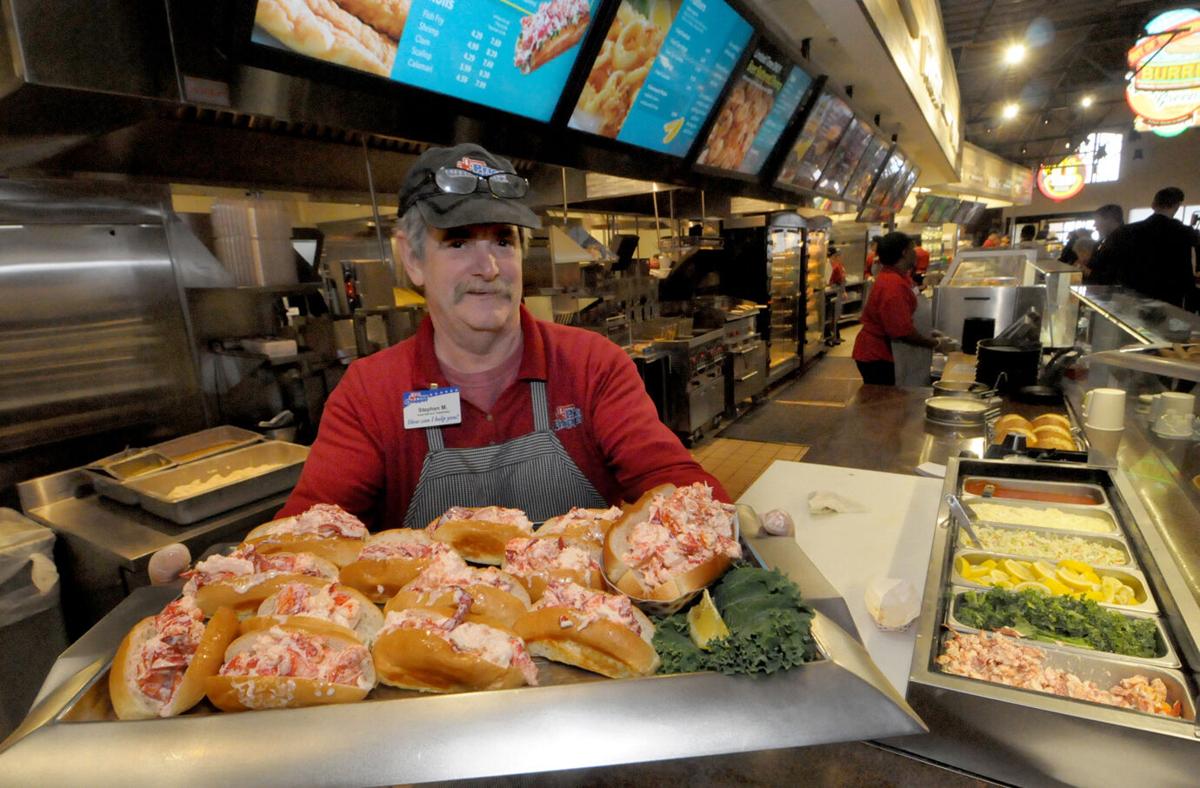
x,y
432,408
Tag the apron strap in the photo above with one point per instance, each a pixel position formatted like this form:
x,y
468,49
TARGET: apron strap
x,y
541,408
433,436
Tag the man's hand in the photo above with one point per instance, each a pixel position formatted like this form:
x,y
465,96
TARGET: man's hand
x,y
166,564
943,343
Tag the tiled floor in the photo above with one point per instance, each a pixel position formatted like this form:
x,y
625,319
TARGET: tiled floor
x,y
736,464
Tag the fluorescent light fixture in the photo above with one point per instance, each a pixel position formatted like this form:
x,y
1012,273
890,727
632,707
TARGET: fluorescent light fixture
x,y
1086,101
1014,54
1010,110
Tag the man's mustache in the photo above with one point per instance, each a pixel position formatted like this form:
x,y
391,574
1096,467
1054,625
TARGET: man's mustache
x,y
499,287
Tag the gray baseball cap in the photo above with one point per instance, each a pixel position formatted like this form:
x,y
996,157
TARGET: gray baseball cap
x,y
490,201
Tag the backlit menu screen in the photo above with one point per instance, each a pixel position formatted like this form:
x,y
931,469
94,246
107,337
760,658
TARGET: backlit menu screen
x,y
815,143
755,113
659,71
511,55
868,166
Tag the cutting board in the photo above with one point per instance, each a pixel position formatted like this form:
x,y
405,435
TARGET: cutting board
x,y
891,539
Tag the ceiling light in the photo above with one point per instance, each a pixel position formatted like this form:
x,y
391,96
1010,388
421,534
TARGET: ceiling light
x,y
1067,144
1085,102
1014,54
1010,110
1045,121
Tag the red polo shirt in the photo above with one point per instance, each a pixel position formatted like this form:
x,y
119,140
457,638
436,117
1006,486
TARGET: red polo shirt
x,y
922,260
888,315
367,462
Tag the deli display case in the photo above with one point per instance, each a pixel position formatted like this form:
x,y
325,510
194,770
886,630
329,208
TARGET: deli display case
x,y
1025,705
576,718
816,274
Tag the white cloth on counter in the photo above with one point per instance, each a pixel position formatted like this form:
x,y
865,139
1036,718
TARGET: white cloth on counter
x,y
893,602
828,502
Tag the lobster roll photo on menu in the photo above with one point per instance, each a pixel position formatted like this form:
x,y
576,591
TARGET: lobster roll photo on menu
x,y
590,629
310,664
333,603
480,533
162,664
325,530
550,31
671,543
447,584
245,577
534,562
425,650
389,560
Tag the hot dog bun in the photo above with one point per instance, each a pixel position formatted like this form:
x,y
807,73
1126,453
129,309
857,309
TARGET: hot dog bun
x,y
325,530
389,560
479,533
414,651
535,47
125,683
333,603
1052,419
335,668
617,646
632,581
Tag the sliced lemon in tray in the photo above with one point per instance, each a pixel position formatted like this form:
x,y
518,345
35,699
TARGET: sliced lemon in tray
x,y
1075,580
1033,585
1018,570
705,623
1044,570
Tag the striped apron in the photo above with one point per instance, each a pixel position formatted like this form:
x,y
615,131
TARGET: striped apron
x,y
533,473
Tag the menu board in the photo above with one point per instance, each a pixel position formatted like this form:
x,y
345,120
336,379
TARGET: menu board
x,y
755,113
815,143
969,212
887,179
512,55
904,184
924,207
945,211
659,72
868,166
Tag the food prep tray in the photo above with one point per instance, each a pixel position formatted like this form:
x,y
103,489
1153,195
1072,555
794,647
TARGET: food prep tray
x,y
996,451
1115,541
1068,493
1102,516
1169,658
1105,671
1131,577
206,443
154,492
108,475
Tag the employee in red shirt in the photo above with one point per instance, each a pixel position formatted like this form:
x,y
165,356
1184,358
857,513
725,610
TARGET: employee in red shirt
x,y
922,260
888,315
551,416
837,283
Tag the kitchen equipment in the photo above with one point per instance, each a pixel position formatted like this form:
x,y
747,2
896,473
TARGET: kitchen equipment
x,y
1104,408
697,380
1007,368
964,514
962,388
1038,395
959,411
206,443
745,359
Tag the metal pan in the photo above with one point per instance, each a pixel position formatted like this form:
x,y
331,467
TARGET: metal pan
x,y
1132,578
1015,489
1169,658
959,411
1026,515
279,463
1112,541
206,443
1107,671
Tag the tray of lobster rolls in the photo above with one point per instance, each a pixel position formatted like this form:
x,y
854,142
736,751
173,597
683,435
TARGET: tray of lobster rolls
x,y
515,629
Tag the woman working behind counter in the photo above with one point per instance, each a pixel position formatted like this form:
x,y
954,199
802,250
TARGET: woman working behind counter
x,y
888,315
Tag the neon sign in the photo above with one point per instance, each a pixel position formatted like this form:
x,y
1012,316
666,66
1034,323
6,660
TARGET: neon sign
x,y
1064,180
1163,87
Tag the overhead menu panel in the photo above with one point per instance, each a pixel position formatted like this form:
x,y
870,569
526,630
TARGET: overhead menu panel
x,y
755,113
815,143
868,167
845,158
659,72
511,55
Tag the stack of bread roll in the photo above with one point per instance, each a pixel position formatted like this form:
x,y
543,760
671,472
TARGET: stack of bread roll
x,y
1048,431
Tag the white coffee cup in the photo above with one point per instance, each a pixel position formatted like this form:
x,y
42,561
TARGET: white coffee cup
x,y
1104,408
1177,402
1103,444
1175,424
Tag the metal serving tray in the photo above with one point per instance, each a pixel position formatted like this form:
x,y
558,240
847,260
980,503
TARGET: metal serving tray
x,y
1106,671
154,492
1092,491
1169,658
995,450
576,720
1102,515
206,443
1130,577
1109,540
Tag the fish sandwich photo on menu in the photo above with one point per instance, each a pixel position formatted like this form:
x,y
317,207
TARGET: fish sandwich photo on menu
x,y
358,34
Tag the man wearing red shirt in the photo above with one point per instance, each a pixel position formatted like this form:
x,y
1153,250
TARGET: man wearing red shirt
x,y
888,315
551,416
922,259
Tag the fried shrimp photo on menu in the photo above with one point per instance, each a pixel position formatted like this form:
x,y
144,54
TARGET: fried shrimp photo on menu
x,y
736,126
360,34
620,69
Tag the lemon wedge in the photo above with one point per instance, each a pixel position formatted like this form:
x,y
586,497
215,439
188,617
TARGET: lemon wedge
x,y
1056,586
999,576
989,563
704,622
1018,570
1044,570
1032,585
1094,594
1124,596
1075,580
963,567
